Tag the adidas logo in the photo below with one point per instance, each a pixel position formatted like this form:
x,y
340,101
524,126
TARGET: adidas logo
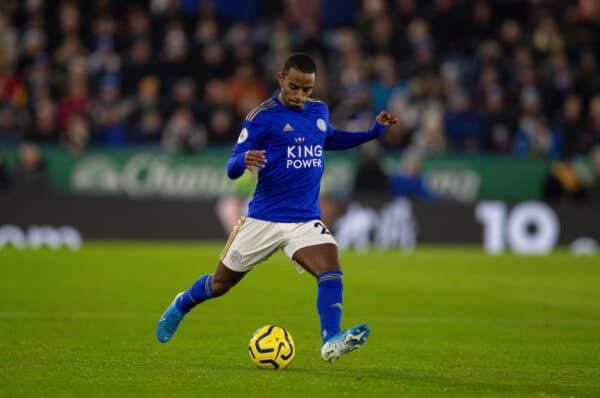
x,y
287,128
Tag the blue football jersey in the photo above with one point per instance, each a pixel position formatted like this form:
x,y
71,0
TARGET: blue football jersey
x,y
295,141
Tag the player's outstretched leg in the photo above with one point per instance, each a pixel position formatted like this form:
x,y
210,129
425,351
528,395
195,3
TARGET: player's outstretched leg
x,y
181,305
344,342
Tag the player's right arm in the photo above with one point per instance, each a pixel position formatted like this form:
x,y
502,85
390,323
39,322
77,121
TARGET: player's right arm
x,y
245,154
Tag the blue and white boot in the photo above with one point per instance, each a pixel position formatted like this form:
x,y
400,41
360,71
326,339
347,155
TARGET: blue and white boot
x,y
169,321
344,342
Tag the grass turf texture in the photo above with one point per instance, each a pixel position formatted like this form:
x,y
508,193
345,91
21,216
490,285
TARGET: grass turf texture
x,y
445,322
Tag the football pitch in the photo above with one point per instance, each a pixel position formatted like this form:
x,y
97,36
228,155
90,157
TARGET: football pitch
x,y
446,322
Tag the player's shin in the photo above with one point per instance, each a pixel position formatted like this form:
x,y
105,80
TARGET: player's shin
x,y
196,294
329,302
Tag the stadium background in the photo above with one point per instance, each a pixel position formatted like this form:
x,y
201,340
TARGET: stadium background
x,y
144,99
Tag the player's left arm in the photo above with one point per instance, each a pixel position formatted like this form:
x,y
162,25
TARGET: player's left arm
x,y
338,139
247,152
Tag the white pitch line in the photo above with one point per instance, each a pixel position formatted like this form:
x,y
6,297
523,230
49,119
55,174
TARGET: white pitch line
x,y
373,319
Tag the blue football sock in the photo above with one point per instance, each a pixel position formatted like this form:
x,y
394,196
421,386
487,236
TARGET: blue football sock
x,y
329,302
196,294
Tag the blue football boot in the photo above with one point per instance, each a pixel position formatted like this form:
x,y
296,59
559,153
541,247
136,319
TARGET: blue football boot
x,y
169,321
344,342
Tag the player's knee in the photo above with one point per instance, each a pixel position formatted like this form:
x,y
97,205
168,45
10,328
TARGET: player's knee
x,y
321,268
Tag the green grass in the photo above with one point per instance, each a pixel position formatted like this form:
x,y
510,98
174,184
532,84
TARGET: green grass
x,y
445,322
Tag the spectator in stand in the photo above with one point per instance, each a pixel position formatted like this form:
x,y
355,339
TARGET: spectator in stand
x,y
30,173
183,95
430,137
12,87
480,24
146,118
245,88
33,44
311,41
218,115
587,81
70,47
76,101
182,134
104,59
499,124
9,38
511,36
52,51
76,136
175,59
558,80
213,64
297,12
571,125
376,27
547,37
222,125
420,53
462,124
487,85
138,25
70,32
43,128
207,32
10,131
38,75
537,138
386,85
409,181
137,64
110,113
370,178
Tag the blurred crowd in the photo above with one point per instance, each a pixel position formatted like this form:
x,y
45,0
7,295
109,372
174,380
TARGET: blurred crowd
x,y
509,77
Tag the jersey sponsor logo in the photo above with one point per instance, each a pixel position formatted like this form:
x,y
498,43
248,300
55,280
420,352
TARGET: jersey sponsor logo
x,y
304,156
243,135
304,151
287,128
321,124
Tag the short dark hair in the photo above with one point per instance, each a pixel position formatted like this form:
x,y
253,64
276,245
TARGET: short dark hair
x,y
301,61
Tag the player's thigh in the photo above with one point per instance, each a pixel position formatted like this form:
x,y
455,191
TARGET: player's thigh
x,y
312,246
319,258
250,242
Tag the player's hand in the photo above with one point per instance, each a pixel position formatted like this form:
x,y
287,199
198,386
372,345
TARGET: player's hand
x,y
386,118
255,159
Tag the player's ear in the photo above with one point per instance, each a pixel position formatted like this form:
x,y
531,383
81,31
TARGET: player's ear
x,y
280,77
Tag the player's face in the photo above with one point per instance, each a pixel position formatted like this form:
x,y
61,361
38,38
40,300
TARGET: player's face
x,y
296,87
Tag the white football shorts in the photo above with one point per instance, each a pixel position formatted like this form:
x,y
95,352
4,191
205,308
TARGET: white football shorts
x,y
253,241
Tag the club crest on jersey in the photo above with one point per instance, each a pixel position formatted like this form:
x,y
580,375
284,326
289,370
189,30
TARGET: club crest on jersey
x,y
321,124
287,128
243,135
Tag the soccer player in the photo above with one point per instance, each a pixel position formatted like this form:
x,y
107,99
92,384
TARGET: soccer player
x,y
283,140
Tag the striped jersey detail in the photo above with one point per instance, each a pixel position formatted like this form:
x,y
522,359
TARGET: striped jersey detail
x,y
270,103
314,100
